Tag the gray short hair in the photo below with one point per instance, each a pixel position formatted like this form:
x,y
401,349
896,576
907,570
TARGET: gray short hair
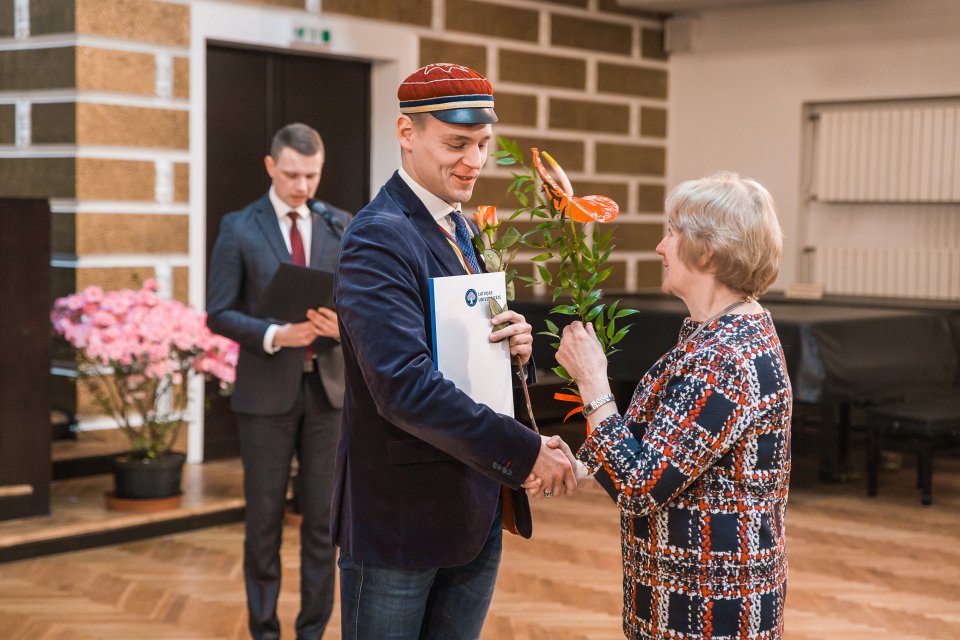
x,y
300,137
728,226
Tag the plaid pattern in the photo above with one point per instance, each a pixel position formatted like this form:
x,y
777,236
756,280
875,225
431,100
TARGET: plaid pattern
x,y
698,466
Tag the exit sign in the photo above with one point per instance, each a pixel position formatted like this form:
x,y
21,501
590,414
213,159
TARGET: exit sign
x,y
311,35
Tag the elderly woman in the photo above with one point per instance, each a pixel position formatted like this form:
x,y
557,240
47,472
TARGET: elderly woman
x,y
699,462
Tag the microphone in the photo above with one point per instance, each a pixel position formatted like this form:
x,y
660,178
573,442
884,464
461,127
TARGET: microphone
x,y
321,209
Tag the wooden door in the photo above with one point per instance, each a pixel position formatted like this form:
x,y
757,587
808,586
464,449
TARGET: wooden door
x,y
251,93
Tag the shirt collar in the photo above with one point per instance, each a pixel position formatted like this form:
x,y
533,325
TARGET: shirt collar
x,y
435,205
282,208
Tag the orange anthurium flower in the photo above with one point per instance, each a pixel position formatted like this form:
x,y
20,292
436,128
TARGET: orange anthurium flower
x,y
486,217
581,209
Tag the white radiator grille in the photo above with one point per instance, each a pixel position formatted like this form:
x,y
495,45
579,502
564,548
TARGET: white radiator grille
x,y
932,273
888,153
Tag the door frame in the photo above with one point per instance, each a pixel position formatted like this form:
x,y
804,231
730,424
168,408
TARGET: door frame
x,y
392,52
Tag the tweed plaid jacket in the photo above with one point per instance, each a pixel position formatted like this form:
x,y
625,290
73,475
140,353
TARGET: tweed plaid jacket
x,y
698,466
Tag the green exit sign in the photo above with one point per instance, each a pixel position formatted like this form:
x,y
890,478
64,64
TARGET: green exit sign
x,y
311,35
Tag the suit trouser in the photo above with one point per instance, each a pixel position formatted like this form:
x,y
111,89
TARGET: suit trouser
x,y
267,446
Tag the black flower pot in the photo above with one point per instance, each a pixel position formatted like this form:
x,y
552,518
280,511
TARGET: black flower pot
x,y
143,478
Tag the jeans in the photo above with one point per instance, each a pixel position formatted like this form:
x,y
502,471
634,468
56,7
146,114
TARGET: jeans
x,y
385,603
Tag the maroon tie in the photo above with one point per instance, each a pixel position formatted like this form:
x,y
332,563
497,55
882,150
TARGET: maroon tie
x,y
299,258
296,241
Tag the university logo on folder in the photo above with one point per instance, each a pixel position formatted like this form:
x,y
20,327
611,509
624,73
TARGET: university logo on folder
x,y
462,351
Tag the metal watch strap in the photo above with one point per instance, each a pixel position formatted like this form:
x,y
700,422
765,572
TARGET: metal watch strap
x,y
596,404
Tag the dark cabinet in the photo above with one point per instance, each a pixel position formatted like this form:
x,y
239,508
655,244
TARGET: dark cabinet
x,y
24,358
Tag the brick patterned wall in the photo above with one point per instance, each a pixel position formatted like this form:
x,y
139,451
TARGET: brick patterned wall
x,y
94,114
95,103
584,79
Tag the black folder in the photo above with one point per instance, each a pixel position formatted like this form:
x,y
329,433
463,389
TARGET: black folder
x,y
294,289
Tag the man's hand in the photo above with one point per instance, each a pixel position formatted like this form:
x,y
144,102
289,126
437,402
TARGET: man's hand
x,y
552,472
519,332
297,334
325,322
534,485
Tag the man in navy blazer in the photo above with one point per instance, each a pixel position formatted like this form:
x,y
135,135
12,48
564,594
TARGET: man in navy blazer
x,y
416,508
289,387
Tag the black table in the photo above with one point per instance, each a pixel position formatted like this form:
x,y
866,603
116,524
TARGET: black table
x,y
837,355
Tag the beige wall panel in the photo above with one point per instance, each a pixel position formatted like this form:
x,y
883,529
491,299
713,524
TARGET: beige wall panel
x,y
628,158
63,281
408,11
596,35
618,279
516,108
653,122
122,71
27,69
569,153
651,44
140,20
471,55
542,70
589,116
649,274
181,182
181,284
54,122
99,233
293,4
497,20
52,16
631,81
642,236
100,179
8,124
38,177
113,278
6,18
132,126
614,6
181,77
650,198
64,233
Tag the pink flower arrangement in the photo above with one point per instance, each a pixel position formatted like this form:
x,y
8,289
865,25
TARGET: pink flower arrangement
x,y
137,353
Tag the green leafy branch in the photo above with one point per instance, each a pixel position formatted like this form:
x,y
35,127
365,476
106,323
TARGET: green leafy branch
x,y
572,256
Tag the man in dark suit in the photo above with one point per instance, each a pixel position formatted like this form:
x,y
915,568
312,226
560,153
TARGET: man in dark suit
x,y
416,508
289,389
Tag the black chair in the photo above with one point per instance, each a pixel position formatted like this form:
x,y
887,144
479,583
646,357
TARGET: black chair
x,y
922,425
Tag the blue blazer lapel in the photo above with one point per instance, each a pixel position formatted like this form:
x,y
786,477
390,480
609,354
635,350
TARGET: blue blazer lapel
x,y
428,228
267,219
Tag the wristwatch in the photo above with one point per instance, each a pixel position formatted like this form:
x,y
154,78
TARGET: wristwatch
x,y
596,404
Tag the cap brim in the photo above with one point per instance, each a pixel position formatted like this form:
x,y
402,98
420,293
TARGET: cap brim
x,y
482,115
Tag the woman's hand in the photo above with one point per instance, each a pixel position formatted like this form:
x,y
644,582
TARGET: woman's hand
x,y
582,356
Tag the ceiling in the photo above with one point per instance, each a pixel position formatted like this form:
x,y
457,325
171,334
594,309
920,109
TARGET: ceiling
x,y
669,6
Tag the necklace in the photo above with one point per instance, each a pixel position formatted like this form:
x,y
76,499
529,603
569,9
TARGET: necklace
x,y
711,319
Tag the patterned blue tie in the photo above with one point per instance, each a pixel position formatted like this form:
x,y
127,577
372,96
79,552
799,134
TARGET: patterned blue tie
x,y
463,240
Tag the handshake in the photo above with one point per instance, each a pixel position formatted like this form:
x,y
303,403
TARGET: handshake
x,y
556,472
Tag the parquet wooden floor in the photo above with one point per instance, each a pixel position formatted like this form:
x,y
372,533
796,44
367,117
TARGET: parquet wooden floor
x,y
860,569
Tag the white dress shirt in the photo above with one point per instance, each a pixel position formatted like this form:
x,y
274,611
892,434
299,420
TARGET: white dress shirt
x,y
305,226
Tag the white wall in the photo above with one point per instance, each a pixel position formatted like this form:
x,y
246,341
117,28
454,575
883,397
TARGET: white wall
x,y
736,96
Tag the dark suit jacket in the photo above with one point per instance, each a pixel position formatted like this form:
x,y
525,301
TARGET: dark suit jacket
x,y
419,464
248,251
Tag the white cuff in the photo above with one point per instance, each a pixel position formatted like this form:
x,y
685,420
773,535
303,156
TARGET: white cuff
x,y
268,339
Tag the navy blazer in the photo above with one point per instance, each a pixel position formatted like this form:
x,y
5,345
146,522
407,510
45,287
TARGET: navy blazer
x,y
419,463
247,252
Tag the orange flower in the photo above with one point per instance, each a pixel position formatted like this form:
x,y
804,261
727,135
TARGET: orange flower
x,y
581,209
486,217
